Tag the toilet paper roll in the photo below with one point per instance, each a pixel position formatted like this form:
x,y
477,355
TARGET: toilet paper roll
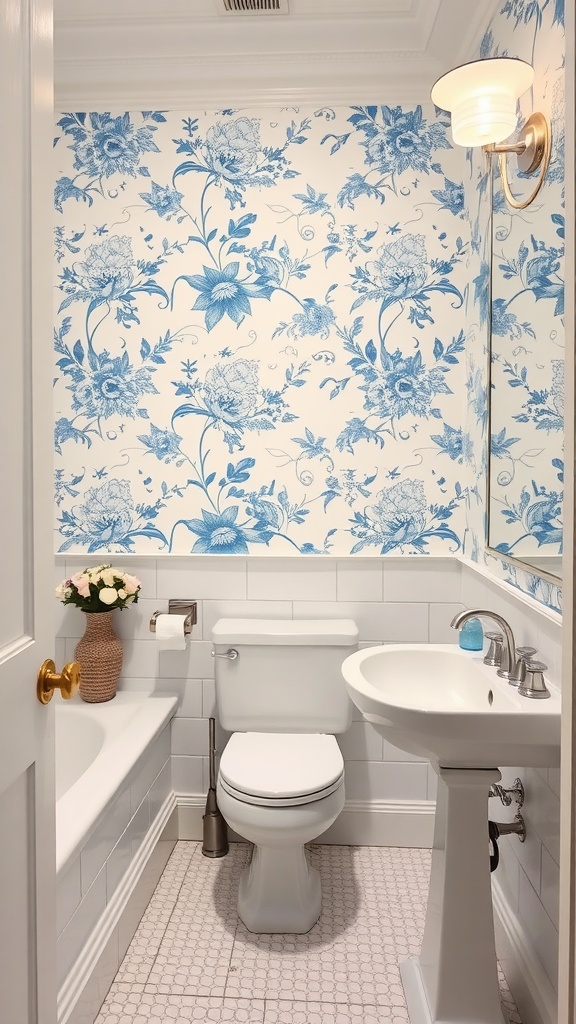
x,y
170,632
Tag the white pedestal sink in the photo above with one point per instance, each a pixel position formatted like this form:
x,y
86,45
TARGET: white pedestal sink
x,y
444,704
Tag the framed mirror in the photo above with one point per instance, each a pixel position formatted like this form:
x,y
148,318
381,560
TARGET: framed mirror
x,y
526,457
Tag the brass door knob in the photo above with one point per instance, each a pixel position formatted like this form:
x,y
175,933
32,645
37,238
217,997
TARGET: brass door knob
x,y
67,681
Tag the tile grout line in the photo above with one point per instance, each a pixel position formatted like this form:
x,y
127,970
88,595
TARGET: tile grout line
x,y
174,905
232,950
175,901
398,869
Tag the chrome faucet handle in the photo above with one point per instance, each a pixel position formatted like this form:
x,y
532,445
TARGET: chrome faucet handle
x,y
526,653
533,684
493,655
518,674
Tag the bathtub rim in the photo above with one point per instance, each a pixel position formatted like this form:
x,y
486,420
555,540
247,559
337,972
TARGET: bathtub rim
x,y
77,816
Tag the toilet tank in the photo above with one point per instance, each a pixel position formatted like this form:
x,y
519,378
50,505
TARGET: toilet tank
x,y
287,676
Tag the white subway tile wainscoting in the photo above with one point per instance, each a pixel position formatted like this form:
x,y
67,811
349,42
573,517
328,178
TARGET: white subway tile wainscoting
x,y
390,794
192,959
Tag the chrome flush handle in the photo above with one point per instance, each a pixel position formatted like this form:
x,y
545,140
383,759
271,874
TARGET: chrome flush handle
x,y
231,654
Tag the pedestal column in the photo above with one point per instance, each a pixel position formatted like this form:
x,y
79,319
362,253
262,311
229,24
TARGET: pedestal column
x,y
455,978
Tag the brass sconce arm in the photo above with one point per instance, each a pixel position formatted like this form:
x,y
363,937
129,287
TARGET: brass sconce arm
x,y
533,148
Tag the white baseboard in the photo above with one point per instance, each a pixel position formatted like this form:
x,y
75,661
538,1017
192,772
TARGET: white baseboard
x,y
190,813
383,823
72,993
407,823
530,985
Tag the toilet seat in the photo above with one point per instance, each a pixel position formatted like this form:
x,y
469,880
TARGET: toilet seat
x,y
281,769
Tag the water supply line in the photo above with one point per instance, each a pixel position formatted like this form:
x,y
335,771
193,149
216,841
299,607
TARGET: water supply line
x,y
504,828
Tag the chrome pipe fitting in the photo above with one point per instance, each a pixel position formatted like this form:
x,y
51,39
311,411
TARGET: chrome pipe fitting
x,y
508,828
507,795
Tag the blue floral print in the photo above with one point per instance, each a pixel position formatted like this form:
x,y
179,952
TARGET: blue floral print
x,y
232,393
218,388
398,140
395,141
233,148
103,147
165,201
109,145
164,444
451,197
220,534
108,520
106,272
404,387
401,520
401,268
112,388
540,514
314,319
232,155
451,441
109,274
222,293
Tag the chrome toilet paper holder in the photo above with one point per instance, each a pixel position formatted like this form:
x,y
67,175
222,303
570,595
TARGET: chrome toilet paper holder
x,y
179,606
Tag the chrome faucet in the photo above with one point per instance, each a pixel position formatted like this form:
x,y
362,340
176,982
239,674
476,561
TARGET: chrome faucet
x,y
515,663
510,665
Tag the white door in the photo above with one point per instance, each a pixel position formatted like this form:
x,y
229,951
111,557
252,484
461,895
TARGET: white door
x,y
27,857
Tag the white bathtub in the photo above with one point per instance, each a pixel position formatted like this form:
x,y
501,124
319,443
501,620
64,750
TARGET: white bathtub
x,y
113,786
97,746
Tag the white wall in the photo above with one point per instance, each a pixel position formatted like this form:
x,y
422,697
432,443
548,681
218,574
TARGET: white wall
x,y
528,874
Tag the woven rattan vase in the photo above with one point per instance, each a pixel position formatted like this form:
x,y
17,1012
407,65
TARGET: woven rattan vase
x,y
99,653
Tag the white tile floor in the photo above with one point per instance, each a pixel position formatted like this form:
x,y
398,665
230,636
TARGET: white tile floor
x,y
191,958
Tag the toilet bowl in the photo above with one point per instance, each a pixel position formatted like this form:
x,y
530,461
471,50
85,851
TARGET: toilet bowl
x,y
281,779
295,794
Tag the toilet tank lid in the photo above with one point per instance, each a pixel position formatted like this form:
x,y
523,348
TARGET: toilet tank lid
x,y
286,632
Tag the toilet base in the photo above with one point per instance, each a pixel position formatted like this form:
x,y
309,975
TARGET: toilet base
x,y
279,891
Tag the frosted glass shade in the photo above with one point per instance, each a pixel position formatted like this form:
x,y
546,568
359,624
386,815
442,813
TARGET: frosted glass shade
x,y
482,98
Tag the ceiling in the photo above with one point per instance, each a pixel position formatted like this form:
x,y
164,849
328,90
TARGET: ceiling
x,y
141,54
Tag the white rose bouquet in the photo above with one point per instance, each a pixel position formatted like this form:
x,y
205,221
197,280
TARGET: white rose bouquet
x,y
100,589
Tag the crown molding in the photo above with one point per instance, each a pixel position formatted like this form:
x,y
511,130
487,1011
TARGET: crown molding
x,y
71,13
173,35
165,53
217,81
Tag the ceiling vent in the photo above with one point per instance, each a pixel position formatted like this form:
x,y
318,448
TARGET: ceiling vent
x,y
252,6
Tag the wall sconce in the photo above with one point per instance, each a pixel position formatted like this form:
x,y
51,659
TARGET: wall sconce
x,y
482,97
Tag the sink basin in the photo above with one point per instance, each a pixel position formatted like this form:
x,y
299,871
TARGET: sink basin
x,y
444,704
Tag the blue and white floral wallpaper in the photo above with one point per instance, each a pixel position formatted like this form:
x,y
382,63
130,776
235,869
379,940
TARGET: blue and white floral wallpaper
x,y
527,325
260,332
272,330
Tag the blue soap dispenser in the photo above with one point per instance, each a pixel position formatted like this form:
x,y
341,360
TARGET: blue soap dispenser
x,y
471,636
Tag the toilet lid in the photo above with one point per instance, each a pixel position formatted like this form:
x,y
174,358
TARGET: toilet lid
x,y
281,766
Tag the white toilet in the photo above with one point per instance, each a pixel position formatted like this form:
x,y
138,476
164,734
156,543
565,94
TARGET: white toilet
x,y
281,778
